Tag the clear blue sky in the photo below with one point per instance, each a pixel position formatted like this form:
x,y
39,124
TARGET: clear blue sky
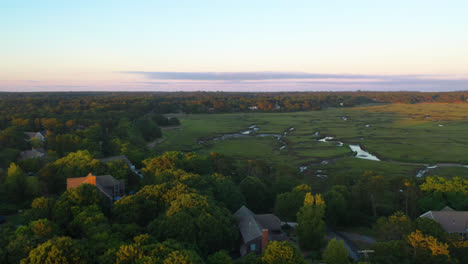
x,y
162,45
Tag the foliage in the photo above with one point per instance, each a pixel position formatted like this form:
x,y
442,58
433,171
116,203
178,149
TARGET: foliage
x,y
395,227
282,253
255,193
60,250
336,252
311,227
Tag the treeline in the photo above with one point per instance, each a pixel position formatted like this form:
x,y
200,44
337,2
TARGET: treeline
x,y
88,105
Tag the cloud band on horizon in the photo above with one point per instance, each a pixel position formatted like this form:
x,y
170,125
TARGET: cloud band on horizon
x,y
256,76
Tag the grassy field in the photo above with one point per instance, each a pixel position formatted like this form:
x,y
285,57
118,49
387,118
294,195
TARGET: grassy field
x,y
422,133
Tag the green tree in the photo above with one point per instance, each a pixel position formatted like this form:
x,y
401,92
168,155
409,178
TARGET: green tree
x,y
336,252
394,227
288,204
337,206
37,143
311,227
220,257
15,186
60,250
282,253
255,194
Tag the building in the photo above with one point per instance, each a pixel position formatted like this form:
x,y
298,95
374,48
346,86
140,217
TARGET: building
x,y
31,154
40,135
257,230
109,186
451,221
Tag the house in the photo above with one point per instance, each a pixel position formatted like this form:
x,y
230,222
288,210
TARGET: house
x,y
451,221
31,154
253,107
40,135
257,230
109,186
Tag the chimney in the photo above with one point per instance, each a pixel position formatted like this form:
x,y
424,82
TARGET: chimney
x,y
264,239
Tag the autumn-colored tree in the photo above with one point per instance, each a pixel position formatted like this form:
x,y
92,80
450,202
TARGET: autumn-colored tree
x,y
282,253
425,246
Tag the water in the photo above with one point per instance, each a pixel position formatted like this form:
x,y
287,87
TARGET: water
x,y
326,139
362,154
424,171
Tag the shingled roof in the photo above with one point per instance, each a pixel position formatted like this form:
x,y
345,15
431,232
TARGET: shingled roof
x,y
450,220
248,226
251,225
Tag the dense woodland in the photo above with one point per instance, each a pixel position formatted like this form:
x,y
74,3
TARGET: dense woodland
x,y
181,211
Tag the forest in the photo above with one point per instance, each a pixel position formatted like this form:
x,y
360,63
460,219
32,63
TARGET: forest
x,y
180,199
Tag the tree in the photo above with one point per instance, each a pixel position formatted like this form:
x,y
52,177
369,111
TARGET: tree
x,y
336,252
255,193
311,227
394,227
36,143
75,200
336,206
282,253
73,165
390,252
60,250
427,248
288,204
15,185
220,257
430,227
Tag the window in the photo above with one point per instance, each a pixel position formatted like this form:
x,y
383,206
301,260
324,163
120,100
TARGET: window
x,y
253,247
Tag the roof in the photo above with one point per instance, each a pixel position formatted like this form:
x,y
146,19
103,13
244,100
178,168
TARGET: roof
x,y
269,221
29,154
75,182
251,225
450,220
105,183
248,226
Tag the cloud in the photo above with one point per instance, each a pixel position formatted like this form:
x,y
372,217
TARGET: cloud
x,y
254,76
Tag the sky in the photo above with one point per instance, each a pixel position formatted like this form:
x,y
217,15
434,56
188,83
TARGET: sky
x,y
237,45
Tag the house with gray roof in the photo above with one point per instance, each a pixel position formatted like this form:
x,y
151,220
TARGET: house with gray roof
x,y
451,221
257,230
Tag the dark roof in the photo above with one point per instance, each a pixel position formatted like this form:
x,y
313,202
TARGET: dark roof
x,y
251,225
248,226
451,221
269,221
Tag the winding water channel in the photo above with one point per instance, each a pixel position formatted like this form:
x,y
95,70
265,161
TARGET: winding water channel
x,y
252,131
